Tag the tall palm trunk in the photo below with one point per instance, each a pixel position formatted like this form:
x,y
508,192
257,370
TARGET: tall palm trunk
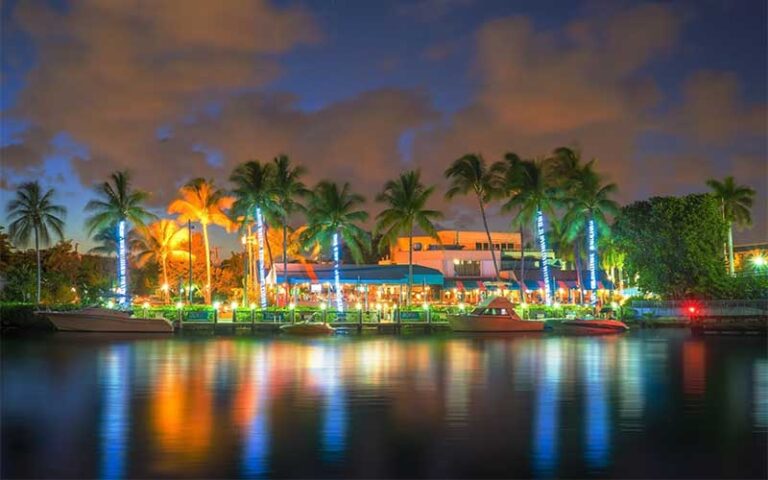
x,y
522,265
592,257
285,258
39,266
122,265
543,247
577,262
165,279
207,263
731,268
490,241
336,274
410,266
262,279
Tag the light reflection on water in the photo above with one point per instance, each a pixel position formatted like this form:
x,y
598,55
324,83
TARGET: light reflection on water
x,y
541,406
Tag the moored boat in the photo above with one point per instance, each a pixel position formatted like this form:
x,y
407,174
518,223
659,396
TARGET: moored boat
x,y
494,315
308,328
105,320
592,326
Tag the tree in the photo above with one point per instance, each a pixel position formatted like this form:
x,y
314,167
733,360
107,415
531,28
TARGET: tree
x,y
587,201
533,194
673,244
469,174
116,206
33,213
405,199
159,242
255,199
332,216
288,187
202,202
735,205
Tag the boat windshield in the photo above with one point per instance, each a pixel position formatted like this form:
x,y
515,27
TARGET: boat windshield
x,y
499,312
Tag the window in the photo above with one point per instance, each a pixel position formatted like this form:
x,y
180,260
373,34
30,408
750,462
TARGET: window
x,y
466,268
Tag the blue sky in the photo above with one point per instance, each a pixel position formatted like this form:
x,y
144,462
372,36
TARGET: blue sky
x,y
664,95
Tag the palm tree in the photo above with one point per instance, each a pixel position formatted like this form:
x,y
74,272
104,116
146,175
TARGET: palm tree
x,y
158,242
406,199
736,203
117,205
202,202
32,212
532,195
332,216
255,198
287,188
588,203
470,174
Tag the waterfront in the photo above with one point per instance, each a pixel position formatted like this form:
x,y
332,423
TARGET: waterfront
x,y
646,404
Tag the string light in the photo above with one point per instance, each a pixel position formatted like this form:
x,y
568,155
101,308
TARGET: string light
x,y
592,258
544,264
336,279
262,283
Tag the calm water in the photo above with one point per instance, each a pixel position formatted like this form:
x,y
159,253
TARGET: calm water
x,y
647,404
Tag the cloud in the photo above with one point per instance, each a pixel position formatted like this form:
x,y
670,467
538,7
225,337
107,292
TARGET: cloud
x,y
714,111
430,10
111,73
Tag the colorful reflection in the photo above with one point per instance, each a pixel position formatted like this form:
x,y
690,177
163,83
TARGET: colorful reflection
x,y
596,421
546,424
115,420
381,406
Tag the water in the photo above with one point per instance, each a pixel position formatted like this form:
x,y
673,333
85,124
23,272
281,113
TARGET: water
x,y
646,404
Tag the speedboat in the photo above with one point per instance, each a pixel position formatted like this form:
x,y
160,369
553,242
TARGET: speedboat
x,y
592,326
494,315
97,319
308,328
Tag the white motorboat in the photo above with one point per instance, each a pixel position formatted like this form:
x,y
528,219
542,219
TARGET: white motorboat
x,y
98,319
494,315
308,328
592,326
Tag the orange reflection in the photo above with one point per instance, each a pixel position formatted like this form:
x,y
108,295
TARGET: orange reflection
x,y
694,362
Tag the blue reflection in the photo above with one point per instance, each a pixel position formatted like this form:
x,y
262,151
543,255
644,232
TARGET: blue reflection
x,y
596,418
115,417
256,448
545,428
761,394
335,412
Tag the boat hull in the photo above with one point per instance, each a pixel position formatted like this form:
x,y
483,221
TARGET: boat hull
x,y
592,327
308,328
479,324
78,322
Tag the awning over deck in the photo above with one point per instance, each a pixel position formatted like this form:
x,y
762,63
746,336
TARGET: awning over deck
x,y
358,274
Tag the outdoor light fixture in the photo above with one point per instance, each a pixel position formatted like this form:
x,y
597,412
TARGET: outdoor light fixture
x,y
145,305
523,305
233,305
614,305
291,306
557,305
216,305
110,304
179,305
425,306
252,306
759,261
323,306
165,287
461,307
359,306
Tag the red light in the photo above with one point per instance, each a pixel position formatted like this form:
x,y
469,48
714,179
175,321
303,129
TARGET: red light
x,y
692,309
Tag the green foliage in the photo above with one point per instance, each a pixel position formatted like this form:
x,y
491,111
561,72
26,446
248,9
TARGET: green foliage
x,y
674,245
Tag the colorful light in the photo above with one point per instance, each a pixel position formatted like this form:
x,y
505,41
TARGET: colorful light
x,y
291,306
592,258
544,264
179,305
233,305
336,279
216,305
262,282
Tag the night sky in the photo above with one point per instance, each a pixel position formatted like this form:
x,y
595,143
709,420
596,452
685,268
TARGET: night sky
x,y
664,95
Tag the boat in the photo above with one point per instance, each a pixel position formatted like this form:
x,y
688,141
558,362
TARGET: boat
x,y
494,315
592,326
97,319
308,328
